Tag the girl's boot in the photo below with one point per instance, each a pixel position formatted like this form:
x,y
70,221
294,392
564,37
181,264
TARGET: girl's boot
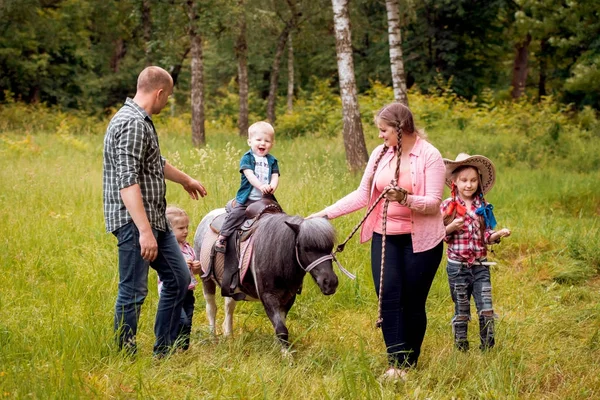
x,y
459,328
486,332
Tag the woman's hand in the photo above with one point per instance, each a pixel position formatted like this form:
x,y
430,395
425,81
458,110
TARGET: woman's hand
x,y
320,214
396,193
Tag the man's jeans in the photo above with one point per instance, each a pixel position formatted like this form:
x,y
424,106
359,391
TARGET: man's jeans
x,y
465,282
133,288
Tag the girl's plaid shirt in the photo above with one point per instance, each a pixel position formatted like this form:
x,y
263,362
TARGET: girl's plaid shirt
x,y
466,244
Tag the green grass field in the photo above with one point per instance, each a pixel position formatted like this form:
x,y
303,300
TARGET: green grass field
x,y
58,278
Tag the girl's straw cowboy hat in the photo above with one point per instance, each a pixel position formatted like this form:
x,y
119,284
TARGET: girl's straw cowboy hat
x,y
486,169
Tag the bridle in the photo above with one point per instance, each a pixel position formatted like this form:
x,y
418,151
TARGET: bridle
x,y
321,260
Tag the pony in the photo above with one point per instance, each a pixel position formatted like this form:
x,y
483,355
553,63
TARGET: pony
x,y
284,249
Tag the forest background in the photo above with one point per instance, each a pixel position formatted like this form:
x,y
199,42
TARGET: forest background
x,y
514,80
86,54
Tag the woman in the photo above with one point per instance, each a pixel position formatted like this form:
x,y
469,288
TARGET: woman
x,y
413,173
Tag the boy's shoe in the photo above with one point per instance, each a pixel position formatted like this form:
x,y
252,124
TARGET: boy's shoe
x,y
221,246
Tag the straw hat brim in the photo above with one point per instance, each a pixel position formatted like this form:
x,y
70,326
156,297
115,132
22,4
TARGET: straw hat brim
x,y
483,164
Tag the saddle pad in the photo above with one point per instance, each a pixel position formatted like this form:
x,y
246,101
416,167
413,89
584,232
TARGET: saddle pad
x,y
246,256
208,242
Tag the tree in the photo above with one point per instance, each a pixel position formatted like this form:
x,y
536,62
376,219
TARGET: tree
x,y
197,95
289,25
354,141
241,52
290,87
396,59
146,11
520,67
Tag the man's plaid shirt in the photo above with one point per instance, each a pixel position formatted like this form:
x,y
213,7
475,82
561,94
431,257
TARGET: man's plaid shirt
x,y
132,155
466,244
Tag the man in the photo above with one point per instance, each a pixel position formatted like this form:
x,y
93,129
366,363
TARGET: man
x,y
134,211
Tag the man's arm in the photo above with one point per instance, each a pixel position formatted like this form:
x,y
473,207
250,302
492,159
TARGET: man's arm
x,y
192,186
132,198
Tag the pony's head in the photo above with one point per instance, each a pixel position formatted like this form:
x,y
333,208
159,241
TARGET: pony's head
x,y
314,244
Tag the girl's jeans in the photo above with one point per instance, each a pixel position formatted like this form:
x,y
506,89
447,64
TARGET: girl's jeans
x,y
407,279
133,288
466,281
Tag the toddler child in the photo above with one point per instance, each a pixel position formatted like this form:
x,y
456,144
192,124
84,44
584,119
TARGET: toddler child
x,y
259,176
179,222
469,224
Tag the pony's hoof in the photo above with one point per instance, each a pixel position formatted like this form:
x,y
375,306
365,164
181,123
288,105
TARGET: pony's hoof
x,y
288,355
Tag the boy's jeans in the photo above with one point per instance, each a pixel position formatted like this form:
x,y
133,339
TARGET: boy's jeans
x,y
133,288
465,282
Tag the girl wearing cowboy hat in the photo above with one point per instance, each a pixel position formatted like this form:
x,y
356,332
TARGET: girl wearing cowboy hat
x,y
469,224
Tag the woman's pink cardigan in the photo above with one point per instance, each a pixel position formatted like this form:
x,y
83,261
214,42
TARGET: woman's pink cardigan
x,y
428,177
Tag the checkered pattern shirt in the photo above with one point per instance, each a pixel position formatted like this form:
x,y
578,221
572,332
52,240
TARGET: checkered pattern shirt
x,y
466,244
132,156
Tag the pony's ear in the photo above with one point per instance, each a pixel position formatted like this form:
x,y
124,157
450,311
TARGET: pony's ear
x,y
294,227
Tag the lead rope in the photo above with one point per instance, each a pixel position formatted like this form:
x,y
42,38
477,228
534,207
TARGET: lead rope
x,y
383,230
341,246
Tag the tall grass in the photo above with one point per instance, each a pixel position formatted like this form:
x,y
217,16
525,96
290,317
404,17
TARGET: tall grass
x,y
59,277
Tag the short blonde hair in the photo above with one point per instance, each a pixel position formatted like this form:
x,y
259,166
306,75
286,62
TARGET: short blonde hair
x,y
260,126
173,213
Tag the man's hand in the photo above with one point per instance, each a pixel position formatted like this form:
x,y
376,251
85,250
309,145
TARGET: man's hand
x,y
194,188
148,245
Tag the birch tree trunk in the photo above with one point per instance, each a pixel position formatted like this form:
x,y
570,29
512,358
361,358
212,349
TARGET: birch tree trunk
x,y
290,88
396,58
519,78
197,89
354,140
241,52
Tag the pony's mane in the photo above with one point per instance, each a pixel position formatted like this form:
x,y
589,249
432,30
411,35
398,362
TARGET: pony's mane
x,y
317,233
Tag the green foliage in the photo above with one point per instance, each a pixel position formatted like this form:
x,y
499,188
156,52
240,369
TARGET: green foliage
x,y
86,54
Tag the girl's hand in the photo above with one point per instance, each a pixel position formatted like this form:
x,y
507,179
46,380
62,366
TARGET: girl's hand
x,y
503,233
457,224
195,266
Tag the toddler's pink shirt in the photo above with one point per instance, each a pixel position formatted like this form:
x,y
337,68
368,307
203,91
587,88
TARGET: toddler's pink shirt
x,y
428,178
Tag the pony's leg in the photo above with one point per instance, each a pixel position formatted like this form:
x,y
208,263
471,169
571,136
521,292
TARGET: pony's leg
x,y
277,313
209,288
228,321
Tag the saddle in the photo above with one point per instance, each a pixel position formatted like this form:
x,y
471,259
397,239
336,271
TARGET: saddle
x,y
232,262
266,205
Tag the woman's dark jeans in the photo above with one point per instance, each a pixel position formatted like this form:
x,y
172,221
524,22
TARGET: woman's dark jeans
x,y
466,281
133,288
407,279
